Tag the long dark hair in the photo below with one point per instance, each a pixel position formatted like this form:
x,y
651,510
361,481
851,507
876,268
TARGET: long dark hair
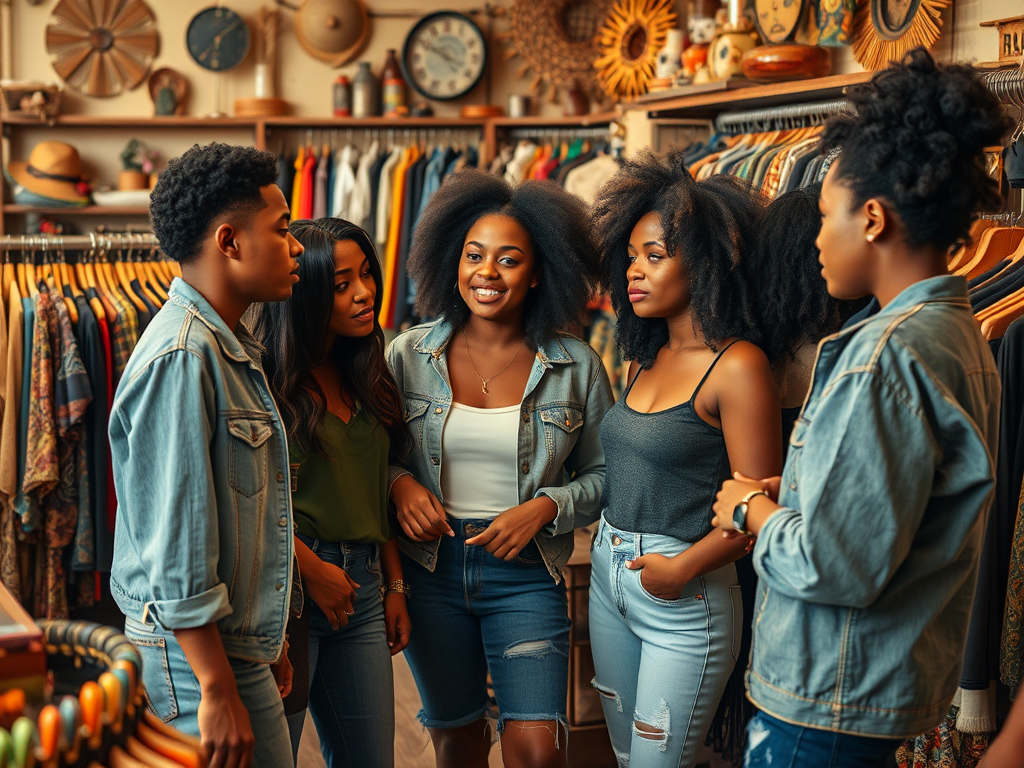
x,y
294,333
711,223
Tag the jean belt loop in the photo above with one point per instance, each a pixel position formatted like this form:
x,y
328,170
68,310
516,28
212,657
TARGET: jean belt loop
x,y
637,549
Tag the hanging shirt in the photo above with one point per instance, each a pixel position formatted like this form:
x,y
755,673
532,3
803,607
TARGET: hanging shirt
x,y
394,237
10,569
285,175
385,196
296,198
345,184
306,195
320,201
370,222
359,200
585,180
41,468
28,305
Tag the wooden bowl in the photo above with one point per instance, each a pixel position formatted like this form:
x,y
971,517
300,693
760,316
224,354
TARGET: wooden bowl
x,y
786,61
269,107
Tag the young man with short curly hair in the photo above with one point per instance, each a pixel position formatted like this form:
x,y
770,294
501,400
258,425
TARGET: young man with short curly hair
x,y
203,540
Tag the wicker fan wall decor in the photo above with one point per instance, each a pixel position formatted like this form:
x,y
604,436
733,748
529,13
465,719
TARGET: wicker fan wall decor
x,y
885,30
557,39
102,47
629,42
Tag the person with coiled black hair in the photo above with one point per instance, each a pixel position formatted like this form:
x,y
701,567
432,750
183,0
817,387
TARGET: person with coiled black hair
x,y
867,545
665,604
504,409
791,300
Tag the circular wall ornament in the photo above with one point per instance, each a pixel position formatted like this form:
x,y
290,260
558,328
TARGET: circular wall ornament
x,y
335,31
777,20
102,48
558,41
885,30
629,42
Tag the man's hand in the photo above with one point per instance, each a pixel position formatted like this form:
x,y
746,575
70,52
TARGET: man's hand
x,y
224,728
513,529
283,674
419,512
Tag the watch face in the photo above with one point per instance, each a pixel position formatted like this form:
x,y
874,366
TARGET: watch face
x,y
777,19
217,39
444,56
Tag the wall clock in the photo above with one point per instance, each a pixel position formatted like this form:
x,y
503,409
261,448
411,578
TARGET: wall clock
x,y
777,20
444,55
217,39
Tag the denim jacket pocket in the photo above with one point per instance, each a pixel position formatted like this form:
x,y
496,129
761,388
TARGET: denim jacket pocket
x,y
249,452
791,472
415,408
561,424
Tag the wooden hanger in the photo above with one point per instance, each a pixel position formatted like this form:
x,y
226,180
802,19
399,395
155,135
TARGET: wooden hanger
x,y
124,280
993,246
997,318
56,278
966,252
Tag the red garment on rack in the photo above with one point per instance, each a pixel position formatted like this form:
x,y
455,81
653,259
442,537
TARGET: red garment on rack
x,y
308,183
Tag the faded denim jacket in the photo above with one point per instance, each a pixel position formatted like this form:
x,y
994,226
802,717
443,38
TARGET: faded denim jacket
x,y
868,571
204,519
560,454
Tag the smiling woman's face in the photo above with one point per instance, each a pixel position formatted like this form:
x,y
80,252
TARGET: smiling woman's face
x,y
497,269
354,291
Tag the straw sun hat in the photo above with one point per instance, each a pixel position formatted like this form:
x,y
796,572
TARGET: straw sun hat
x,y
53,170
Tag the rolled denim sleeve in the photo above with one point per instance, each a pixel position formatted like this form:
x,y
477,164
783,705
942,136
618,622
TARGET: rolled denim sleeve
x,y
168,521
863,477
579,500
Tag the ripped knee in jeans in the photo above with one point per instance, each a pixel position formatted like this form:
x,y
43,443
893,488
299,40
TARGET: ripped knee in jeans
x,y
607,693
656,729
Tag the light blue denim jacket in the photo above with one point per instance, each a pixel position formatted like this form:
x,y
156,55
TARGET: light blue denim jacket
x,y
204,519
868,572
560,454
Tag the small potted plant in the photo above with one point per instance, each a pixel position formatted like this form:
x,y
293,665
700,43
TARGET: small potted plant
x,y
137,165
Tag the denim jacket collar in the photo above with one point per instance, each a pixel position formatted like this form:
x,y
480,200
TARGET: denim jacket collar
x,y
238,345
945,288
435,341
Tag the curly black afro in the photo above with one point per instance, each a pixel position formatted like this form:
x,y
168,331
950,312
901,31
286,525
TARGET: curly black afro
x,y
790,296
557,224
915,141
204,185
711,223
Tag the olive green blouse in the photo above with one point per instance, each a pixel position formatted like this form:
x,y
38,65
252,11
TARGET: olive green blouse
x,y
344,497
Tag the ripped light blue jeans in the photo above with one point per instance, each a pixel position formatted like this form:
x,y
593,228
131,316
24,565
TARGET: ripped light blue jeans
x,y
662,663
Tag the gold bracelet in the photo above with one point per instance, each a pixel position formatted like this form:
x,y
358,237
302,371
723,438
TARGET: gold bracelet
x,y
397,586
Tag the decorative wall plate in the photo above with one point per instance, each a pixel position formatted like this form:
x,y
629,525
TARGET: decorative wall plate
x,y
101,47
558,41
885,30
777,20
335,31
629,42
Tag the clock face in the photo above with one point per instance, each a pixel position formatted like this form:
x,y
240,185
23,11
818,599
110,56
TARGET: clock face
x,y
778,19
217,39
444,55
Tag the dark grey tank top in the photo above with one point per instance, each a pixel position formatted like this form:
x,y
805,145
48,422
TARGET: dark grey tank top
x,y
663,469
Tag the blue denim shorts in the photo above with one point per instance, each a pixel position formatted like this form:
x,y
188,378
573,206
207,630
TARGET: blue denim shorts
x,y
476,613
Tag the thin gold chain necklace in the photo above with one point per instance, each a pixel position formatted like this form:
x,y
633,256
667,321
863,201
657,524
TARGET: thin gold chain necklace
x,y
484,382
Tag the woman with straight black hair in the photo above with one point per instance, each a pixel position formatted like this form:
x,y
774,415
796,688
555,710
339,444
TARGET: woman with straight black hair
x,y
340,406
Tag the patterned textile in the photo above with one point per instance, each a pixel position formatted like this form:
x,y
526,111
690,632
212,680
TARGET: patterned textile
x,y
1011,650
123,335
944,747
72,395
42,471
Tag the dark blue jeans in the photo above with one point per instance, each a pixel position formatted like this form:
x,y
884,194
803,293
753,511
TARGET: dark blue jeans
x,y
771,742
351,692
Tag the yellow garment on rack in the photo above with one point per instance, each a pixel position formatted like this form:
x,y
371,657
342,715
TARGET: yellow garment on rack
x,y
300,161
409,156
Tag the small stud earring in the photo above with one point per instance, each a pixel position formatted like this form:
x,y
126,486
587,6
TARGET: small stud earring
x,y
533,284
871,238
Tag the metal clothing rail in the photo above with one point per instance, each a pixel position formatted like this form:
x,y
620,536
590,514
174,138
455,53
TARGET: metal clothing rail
x,y
49,245
600,131
780,118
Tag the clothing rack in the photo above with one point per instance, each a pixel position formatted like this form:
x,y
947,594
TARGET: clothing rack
x,y
99,243
557,132
779,118
336,138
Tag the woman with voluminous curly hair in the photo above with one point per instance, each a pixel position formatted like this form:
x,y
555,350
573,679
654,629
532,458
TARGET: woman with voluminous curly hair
x,y
504,408
665,603
867,546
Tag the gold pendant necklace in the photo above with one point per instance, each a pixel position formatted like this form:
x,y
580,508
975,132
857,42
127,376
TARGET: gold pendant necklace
x,y
484,382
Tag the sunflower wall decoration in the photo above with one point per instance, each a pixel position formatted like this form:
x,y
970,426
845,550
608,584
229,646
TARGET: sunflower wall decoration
x,y
629,42
885,30
557,39
102,47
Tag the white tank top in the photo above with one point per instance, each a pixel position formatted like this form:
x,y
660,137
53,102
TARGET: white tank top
x,y
479,456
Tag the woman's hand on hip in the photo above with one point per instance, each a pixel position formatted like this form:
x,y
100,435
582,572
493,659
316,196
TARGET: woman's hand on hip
x,y
419,512
396,621
333,591
660,576
513,529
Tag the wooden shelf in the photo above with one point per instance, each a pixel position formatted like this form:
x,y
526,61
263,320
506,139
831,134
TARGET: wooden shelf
x,y
710,104
597,118
391,123
137,121
86,210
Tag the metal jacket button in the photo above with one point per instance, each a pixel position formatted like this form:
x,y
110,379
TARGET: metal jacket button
x,y
434,460
279,585
280,477
526,467
616,540
283,522
439,409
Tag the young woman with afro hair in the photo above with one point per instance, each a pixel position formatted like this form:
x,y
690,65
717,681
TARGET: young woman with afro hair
x,y
867,546
504,409
665,604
